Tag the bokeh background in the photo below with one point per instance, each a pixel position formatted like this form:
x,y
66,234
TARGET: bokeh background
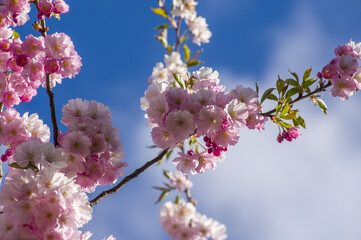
x,y
308,189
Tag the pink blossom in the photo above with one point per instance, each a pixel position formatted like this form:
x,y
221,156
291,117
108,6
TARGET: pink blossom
x,y
51,65
186,163
76,143
45,7
33,46
294,132
348,64
227,136
343,87
210,120
329,71
163,138
180,124
10,99
180,181
245,95
70,66
58,46
60,7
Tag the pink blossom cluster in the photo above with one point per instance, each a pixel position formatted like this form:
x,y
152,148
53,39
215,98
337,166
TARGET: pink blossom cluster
x,y
92,144
48,7
173,64
201,109
13,13
292,133
24,65
16,129
180,181
42,205
344,71
182,222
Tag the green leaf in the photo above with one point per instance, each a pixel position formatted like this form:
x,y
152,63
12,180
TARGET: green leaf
x,y
167,174
266,94
167,156
182,39
179,80
286,125
295,123
160,11
57,16
280,84
308,82
292,82
176,201
322,105
307,74
193,63
289,116
291,92
278,108
162,40
163,195
300,121
163,26
295,75
15,35
285,110
257,88
284,90
186,52
272,97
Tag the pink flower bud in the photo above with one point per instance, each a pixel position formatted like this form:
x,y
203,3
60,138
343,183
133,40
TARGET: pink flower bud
x,y
51,65
21,60
294,132
60,7
286,136
279,138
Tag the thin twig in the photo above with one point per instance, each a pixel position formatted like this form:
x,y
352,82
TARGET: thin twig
x,y
128,178
299,98
49,91
177,34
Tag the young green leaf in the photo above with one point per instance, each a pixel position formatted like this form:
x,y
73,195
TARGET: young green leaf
x,y
289,116
186,52
272,97
291,92
193,63
15,35
322,105
286,125
179,80
295,75
266,94
307,74
300,121
308,82
160,11
167,174
280,84
285,110
292,82
163,26
162,196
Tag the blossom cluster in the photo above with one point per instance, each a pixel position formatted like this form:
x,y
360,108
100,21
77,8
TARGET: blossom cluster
x,y
16,129
289,135
48,7
92,144
24,65
42,205
197,25
182,221
180,181
199,107
344,71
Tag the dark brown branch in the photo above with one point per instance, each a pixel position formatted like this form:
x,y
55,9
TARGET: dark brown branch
x,y
128,178
177,34
43,29
299,98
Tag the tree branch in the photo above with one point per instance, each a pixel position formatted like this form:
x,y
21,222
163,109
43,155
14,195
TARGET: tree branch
x,y
43,29
299,98
128,178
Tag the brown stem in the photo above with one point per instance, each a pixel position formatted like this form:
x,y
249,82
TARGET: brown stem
x,y
177,34
128,178
49,91
299,98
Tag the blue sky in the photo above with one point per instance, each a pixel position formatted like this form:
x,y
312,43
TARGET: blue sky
x,y
307,189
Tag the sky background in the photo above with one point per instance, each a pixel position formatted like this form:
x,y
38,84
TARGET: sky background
x,y
308,189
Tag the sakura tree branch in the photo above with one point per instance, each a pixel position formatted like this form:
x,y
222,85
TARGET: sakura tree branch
x,y
299,98
43,29
128,178
178,33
